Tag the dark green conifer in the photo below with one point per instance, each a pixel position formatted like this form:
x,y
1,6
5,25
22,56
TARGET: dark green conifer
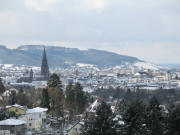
x,y
102,123
45,99
174,121
134,119
154,118
2,88
54,81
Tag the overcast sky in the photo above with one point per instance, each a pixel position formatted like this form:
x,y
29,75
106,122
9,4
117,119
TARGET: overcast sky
x,y
147,29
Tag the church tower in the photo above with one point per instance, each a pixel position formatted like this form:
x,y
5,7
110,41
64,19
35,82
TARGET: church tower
x,y
45,67
31,76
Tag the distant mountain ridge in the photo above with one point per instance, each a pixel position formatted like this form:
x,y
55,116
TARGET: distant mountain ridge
x,y
59,56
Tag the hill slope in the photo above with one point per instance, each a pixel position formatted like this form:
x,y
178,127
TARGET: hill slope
x,y
58,56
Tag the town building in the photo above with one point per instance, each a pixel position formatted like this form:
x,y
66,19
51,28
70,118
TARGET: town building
x,y
35,118
12,127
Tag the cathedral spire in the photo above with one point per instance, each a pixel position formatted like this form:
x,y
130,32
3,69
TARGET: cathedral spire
x,y
44,66
44,54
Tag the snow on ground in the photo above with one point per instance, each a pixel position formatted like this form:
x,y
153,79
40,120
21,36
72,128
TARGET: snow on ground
x,y
87,66
84,65
146,65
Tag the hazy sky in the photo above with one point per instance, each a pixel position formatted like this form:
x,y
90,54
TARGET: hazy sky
x,y
147,29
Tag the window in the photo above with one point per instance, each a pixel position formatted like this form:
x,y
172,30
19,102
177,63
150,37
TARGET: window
x,y
30,124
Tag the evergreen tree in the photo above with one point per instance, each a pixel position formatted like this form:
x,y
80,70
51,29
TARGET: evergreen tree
x,y
13,98
129,96
2,88
88,127
5,114
76,99
134,119
120,107
176,77
102,123
56,100
45,99
70,100
54,81
80,98
154,118
56,95
174,121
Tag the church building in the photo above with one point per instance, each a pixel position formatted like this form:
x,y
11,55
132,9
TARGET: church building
x,y
45,67
43,76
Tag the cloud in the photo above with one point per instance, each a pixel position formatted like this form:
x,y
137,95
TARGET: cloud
x,y
131,27
8,22
40,5
56,6
97,5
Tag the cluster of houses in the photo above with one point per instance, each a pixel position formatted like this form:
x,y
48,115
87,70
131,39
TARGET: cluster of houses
x,y
24,120
92,78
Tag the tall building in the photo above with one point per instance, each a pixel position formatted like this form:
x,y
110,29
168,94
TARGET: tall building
x,y
31,75
45,67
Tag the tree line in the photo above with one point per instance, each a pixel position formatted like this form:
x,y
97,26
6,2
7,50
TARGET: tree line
x,y
164,96
73,99
57,100
137,118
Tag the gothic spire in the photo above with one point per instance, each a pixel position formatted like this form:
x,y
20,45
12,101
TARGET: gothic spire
x,y
44,54
44,66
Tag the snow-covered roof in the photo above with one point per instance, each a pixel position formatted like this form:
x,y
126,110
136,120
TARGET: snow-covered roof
x,y
93,106
17,106
36,110
137,74
13,122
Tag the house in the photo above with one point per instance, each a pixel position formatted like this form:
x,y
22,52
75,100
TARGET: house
x,y
17,109
75,129
12,126
35,118
91,110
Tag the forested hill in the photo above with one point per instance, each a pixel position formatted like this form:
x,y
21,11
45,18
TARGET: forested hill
x,y
59,56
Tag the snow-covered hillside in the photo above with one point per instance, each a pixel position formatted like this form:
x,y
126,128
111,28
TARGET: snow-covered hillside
x,y
91,66
147,65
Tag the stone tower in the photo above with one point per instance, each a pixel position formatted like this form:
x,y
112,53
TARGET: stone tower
x,y
45,67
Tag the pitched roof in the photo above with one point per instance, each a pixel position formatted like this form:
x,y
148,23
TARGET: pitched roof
x,y
17,106
12,122
36,110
